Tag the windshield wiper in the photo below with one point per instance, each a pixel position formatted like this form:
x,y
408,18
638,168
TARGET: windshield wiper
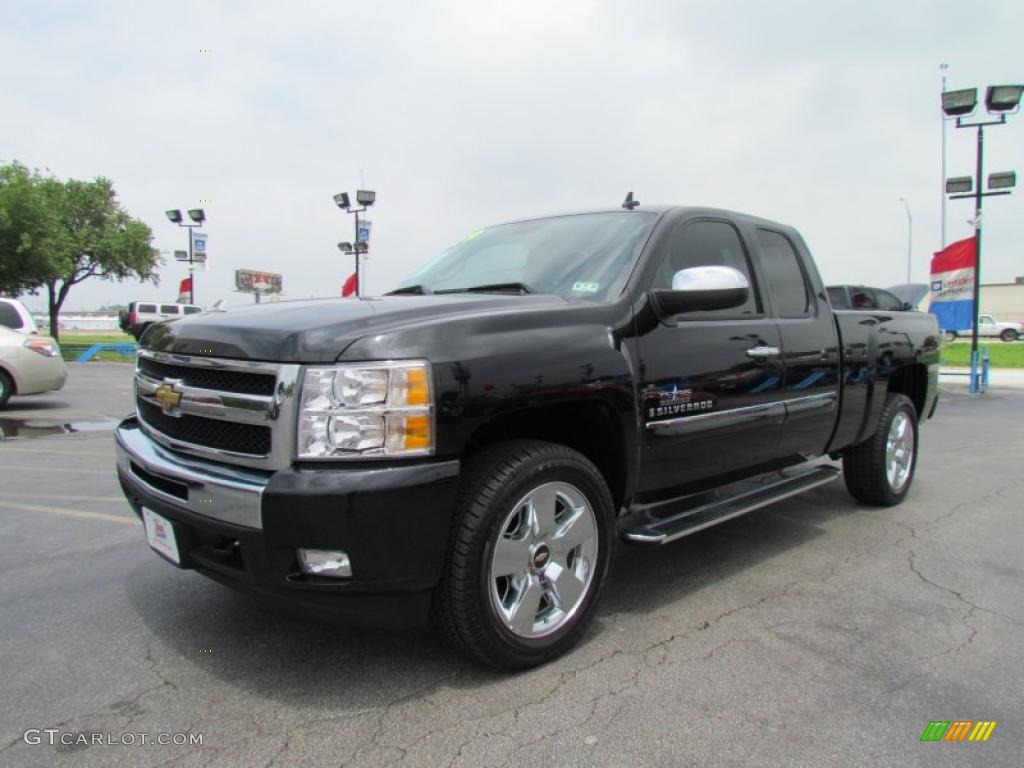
x,y
417,289
520,288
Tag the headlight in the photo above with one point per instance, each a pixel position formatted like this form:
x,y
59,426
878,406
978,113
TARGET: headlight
x,y
366,409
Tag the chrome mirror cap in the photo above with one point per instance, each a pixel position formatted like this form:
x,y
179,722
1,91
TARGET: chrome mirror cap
x,y
711,278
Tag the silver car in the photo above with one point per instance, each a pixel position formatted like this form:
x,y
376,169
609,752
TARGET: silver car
x,y
29,364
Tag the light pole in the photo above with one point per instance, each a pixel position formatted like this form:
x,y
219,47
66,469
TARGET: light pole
x,y
198,216
943,68
999,99
910,235
359,246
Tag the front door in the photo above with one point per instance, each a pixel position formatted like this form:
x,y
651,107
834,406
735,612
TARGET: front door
x,y
711,382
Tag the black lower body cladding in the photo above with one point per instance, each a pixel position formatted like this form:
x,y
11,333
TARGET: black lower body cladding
x,y
392,522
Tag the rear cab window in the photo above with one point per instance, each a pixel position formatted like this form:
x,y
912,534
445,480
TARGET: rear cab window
x,y
146,308
785,275
193,310
168,309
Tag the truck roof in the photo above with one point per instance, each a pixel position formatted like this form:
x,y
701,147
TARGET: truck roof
x,y
661,210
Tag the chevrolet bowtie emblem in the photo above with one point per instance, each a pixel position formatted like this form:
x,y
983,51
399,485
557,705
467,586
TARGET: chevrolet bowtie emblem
x,y
168,397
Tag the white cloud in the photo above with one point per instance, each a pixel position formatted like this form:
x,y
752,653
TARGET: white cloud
x,y
463,113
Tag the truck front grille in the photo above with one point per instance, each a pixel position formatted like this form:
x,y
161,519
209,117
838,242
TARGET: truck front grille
x,y
233,411
220,435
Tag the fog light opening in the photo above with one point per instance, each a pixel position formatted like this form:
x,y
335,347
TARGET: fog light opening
x,y
324,562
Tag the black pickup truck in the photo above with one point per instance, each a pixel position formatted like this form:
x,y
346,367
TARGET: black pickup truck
x,y
473,445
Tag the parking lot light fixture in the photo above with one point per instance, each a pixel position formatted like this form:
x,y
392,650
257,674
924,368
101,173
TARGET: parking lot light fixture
x,y
959,185
960,103
1004,180
1003,98
364,199
198,216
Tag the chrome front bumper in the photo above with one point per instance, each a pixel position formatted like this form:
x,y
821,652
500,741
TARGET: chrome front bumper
x,y
228,494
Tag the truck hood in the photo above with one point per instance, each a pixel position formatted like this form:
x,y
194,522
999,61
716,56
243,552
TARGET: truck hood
x,y
319,330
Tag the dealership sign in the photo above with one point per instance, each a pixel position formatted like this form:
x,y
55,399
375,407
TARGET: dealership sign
x,y
251,281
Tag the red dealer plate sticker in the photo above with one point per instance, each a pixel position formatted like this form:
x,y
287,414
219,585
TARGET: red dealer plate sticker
x,y
160,534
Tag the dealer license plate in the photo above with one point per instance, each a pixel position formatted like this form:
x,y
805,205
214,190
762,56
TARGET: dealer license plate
x,y
160,534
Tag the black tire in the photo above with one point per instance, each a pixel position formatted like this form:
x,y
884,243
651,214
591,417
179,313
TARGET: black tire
x,y
1009,335
6,388
865,465
493,483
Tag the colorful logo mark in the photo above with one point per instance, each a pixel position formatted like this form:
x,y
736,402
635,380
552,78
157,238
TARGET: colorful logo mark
x,y
958,730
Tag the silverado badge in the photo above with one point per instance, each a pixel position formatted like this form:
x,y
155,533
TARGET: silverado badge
x,y
167,396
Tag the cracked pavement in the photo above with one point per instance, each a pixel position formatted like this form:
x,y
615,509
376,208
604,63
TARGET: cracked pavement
x,y
815,632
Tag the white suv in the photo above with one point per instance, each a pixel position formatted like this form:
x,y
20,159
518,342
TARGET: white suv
x,y
13,315
142,314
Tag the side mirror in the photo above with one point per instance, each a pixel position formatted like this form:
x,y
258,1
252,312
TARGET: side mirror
x,y
908,307
702,289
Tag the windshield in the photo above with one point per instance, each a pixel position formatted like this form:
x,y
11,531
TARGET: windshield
x,y
577,256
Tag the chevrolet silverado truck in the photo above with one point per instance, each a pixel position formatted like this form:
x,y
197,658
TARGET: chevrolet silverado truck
x,y
472,446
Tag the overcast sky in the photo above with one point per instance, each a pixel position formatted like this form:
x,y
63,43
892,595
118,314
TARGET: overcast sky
x,y
460,114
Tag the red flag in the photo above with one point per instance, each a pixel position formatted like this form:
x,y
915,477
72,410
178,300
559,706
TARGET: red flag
x,y
351,286
185,291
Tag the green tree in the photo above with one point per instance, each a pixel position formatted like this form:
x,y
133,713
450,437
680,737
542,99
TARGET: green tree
x,y
54,235
29,229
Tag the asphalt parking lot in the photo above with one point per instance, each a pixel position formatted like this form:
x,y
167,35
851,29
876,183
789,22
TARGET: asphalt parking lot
x,y
815,632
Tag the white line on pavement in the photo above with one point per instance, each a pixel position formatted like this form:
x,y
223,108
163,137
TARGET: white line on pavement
x,y
69,512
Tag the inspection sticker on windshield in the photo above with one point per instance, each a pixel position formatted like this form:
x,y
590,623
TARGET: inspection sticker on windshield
x,y
586,287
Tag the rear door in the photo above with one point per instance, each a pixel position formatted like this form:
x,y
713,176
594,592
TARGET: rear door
x,y
809,342
711,382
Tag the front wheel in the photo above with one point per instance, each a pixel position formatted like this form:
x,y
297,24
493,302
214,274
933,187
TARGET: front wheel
x,y
1009,334
880,470
530,548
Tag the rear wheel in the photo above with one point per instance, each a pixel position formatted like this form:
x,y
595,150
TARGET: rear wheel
x,y
880,470
530,548
1009,334
6,388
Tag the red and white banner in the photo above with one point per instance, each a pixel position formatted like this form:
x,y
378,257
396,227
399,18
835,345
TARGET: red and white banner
x,y
351,286
185,291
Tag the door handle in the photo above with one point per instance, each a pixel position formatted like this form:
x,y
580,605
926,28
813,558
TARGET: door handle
x,y
763,352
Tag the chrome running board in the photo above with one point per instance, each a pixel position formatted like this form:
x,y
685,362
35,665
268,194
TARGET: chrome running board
x,y
666,529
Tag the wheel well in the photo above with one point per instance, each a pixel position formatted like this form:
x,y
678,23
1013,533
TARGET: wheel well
x,y
590,428
912,381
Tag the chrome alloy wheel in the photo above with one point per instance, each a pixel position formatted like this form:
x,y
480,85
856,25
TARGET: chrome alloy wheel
x,y
899,451
543,560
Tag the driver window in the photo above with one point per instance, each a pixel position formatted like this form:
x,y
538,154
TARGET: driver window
x,y
704,244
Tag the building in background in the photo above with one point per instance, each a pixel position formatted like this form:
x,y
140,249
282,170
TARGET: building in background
x,y
1004,300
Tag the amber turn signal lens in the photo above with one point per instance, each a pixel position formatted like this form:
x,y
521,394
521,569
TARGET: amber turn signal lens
x,y
417,392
